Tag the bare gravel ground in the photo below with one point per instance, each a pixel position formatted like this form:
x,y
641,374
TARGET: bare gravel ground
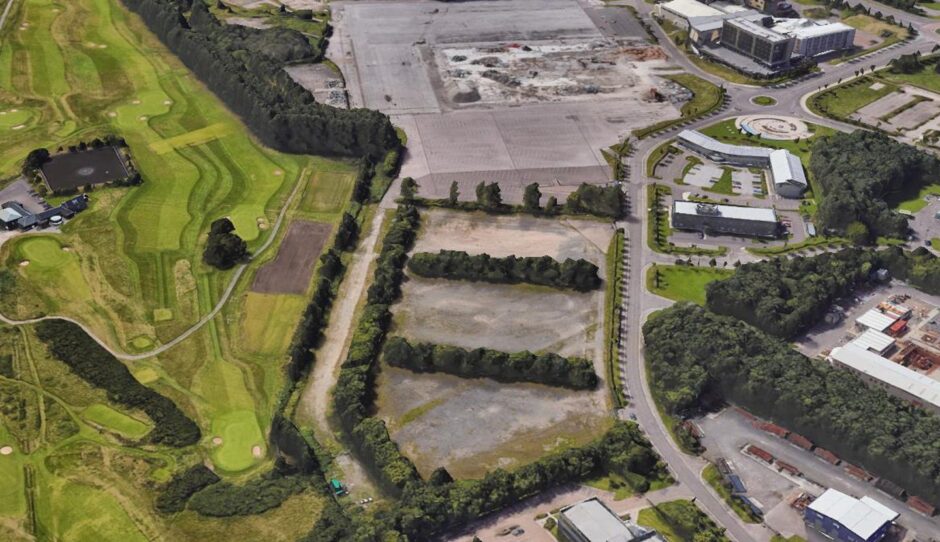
x,y
471,426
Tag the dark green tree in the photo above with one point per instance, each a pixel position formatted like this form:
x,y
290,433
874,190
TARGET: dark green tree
x,y
532,197
224,248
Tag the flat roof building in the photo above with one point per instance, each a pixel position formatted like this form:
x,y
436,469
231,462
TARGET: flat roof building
x,y
847,519
876,319
758,41
894,378
787,173
816,37
875,341
9,217
681,11
709,218
717,151
591,521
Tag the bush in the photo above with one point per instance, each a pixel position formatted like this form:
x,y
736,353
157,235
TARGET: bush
x,y
580,275
177,492
86,358
225,499
591,199
224,249
545,368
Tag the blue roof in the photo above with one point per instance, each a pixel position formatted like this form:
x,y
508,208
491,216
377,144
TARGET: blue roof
x,y
737,486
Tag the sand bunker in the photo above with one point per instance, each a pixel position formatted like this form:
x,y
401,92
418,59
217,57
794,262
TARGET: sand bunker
x,y
136,102
278,172
256,451
18,127
24,263
112,114
6,450
142,118
217,441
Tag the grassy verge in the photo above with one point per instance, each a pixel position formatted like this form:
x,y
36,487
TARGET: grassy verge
x,y
613,301
724,184
812,242
680,521
683,282
691,162
764,100
657,156
714,479
706,97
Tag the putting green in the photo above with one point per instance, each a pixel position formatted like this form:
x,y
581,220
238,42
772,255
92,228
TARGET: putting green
x,y
44,252
15,118
118,421
239,432
56,272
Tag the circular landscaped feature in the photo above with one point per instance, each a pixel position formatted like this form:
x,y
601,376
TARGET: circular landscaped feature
x,y
6,450
763,100
773,127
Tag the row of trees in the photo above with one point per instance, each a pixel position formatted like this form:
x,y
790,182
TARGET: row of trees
x,y
858,172
428,508
176,493
920,267
225,499
588,199
545,368
244,68
699,359
785,297
92,363
580,275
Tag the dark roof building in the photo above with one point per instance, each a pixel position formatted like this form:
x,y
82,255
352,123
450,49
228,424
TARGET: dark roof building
x,y
710,218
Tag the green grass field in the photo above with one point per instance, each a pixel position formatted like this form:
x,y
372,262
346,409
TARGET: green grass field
x,y
118,421
842,101
764,100
724,183
12,499
683,283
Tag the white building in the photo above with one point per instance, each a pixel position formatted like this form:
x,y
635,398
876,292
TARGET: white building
x,y
680,11
875,341
814,38
787,173
894,378
877,320
591,521
845,518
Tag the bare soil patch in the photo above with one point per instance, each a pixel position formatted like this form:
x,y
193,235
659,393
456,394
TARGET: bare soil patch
x,y
76,169
289,272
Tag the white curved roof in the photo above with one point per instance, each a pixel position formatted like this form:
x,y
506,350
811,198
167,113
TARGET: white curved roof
x,y
786,168
862,516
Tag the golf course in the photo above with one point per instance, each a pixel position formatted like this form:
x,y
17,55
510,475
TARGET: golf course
x,y
130,270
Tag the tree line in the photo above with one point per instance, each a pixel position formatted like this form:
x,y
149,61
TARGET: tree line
x,y
353,395
546,368
427,509
858,173
587,199
244,68
86,358
698,360
785,297
580,275
919,268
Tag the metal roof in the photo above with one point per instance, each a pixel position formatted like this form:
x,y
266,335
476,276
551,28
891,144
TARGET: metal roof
x,y
713,145
761,214
9,215
786,168
690,8
808,28
877,320
873,340
596,522
861,516
893,374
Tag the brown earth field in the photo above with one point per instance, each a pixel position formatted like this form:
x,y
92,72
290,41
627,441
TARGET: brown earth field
x,y
289,272
471,426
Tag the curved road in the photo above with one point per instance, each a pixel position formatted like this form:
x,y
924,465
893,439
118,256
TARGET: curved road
x,y
639,303
202,321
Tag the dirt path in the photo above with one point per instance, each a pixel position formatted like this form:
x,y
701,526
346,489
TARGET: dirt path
x,y
315,401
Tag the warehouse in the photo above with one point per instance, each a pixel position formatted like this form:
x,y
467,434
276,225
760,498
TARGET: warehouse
x,y
591,521
877,320
894,378
786,170
841,517
711,219
716,151
875,341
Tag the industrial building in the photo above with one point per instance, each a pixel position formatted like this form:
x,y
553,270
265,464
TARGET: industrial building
x,y
844,518
591,521
875,341
904,383
711,219
786,170
758,41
